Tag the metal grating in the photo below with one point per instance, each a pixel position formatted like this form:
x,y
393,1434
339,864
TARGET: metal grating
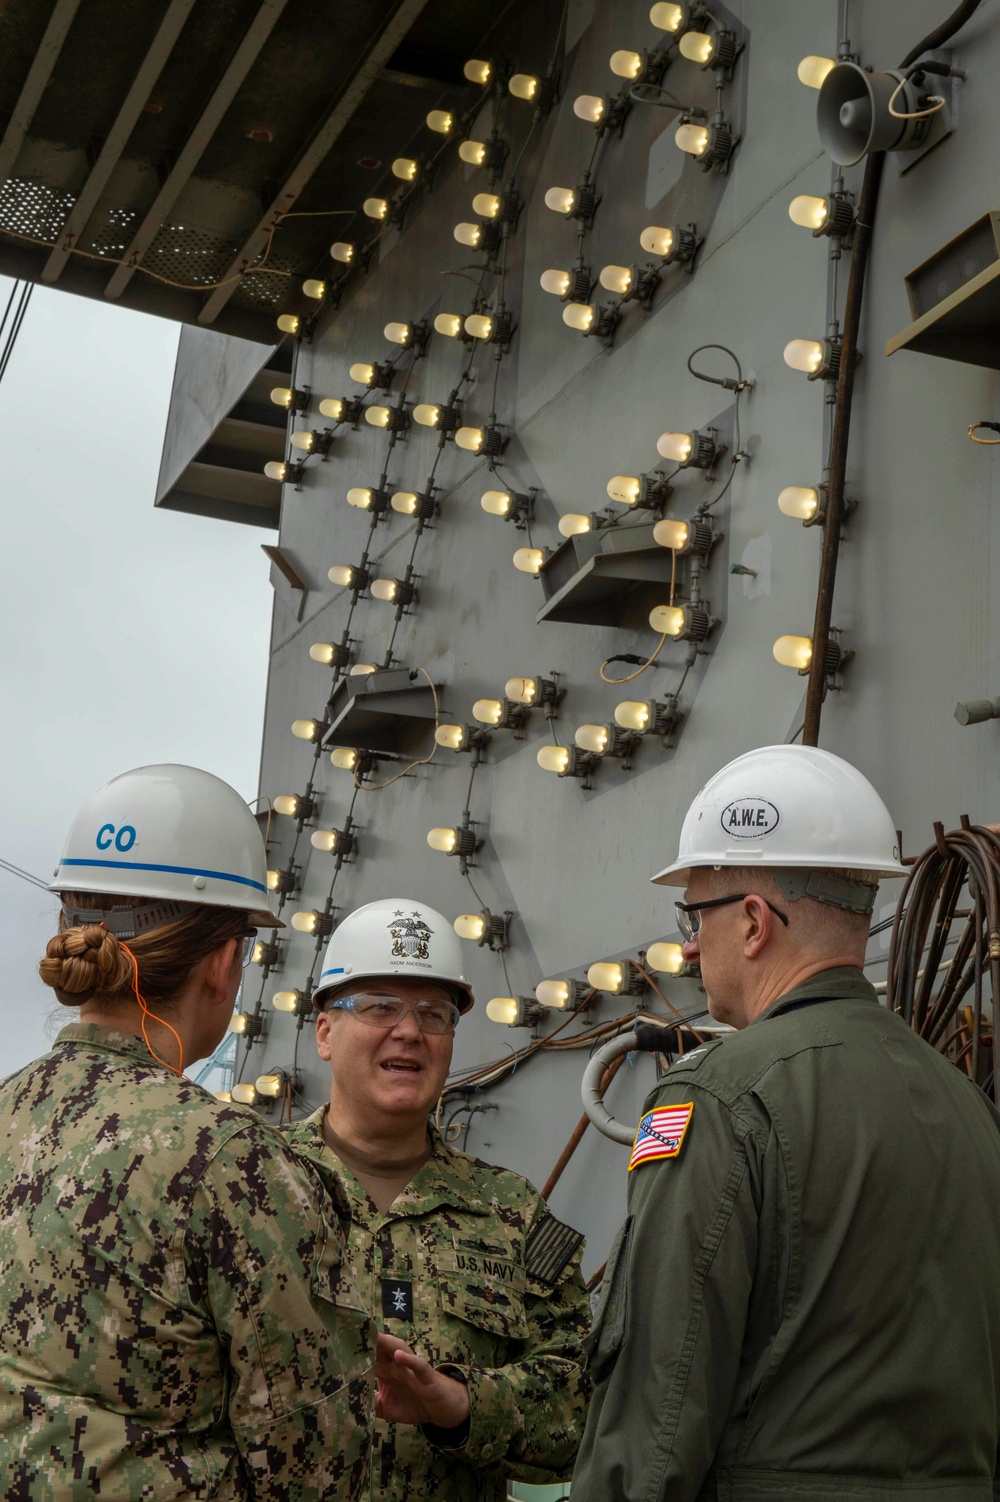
x,y
114,234
30,208
954,265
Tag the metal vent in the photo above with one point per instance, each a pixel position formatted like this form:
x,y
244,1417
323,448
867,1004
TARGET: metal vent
x,y
953,265
32,209
114,234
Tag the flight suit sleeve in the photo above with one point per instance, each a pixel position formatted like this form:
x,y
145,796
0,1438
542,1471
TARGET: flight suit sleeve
x,y
265,1244
666,1344
528,1413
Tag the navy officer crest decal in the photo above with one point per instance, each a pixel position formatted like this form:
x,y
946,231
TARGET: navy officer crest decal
x,y
410,937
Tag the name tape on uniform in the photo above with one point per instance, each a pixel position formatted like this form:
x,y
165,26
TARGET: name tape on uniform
x,y
660,1134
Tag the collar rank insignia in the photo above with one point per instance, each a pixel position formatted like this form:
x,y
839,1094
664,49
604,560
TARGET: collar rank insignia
x,y
661,1133
397,1299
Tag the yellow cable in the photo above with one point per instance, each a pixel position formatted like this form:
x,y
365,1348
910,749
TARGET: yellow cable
x,y
377,787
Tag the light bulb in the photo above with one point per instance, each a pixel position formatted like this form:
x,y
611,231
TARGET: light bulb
x,y
523,85
375,208
398,333
405,502
487,711
477,71
468,234
244,1094
479,325
486,205
314,288
592,738
560,200
665,959
281,396
670,533
692,139
657,240
470,926
578,315
385,589
589,107
361,497
324,839
556,282
303,440
332,407
238,1024
345,758
275,469
574,524
285,1001
342,251
617,279
553,759
553,993
305,730
676,446
340,573
449,324
667,17
269,1085
804,354
362,670
521,690
473,152
450,736
697,46
273,879
793,652
800,501
624,489
503,1009
405,168
667,619
440,120
495,502
305,923
286,803
812,70
378,417
529,560
808,212
632,715
626,64
606,977
427,414
362,373
256,956
288,323
444,840
225,1096
470,439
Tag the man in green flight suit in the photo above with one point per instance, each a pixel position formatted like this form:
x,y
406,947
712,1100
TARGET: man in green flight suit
x,y
474,1284
804,1301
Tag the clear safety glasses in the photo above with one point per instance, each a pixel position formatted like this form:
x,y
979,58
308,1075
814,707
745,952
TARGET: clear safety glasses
x,y
249,940
377,1010
689,913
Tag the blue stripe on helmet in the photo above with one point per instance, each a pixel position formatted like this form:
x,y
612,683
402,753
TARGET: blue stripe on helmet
x,y
243,881
336,970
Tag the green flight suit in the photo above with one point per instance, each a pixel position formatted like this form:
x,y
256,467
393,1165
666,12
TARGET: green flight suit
x,y
804,1302
177,1319
470,1269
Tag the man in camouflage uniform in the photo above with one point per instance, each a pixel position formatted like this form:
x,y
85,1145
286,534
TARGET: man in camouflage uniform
x,y
459,1260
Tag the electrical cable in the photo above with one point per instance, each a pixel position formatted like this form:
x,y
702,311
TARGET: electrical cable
x,y
377,787
24,875
22,307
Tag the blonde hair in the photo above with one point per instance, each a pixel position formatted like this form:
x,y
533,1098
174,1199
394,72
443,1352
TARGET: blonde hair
x,y
87,962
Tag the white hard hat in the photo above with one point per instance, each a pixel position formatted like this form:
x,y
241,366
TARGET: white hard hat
x,y
170,833
783,806
399,937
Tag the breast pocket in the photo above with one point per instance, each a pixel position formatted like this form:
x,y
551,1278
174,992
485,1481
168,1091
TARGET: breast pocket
x,y
483,1288
611,1320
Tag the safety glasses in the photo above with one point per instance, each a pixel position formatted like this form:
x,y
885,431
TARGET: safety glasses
x,y
249,940
377,1010
689,913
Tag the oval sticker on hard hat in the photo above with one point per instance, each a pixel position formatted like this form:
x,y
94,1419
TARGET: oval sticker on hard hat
x,y
749,818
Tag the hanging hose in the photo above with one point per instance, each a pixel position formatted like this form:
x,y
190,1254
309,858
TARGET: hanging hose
x,y
646,1038
928,921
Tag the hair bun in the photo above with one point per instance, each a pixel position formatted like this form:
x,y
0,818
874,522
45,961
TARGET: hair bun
x,y
83,960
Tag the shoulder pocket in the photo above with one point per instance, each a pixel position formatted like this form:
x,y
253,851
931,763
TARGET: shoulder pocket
x,y
611,1320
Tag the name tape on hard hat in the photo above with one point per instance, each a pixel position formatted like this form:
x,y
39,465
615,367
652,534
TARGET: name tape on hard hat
x,y
749,818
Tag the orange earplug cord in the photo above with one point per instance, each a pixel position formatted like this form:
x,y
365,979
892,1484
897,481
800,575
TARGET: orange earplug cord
x,y
147,1014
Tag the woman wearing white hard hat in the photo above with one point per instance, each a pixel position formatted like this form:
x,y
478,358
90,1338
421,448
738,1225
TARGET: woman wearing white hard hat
x,y
474,1284
176,1319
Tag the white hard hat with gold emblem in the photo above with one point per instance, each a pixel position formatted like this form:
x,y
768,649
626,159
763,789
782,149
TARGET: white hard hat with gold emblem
x,y
395,937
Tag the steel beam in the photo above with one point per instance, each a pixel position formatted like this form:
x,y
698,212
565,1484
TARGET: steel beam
x,y
97,180
364,76
228,86
35,84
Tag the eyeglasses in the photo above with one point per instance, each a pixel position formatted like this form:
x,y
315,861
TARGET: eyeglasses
x,y
689,913
249,940
376,1010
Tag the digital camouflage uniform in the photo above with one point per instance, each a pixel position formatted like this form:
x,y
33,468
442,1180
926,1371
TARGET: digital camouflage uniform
x,y
470,1269
804,1302
176,1315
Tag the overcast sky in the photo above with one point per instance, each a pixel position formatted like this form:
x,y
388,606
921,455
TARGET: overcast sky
x,y
131,635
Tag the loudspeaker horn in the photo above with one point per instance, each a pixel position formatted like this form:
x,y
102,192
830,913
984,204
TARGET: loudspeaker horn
x,y
853,117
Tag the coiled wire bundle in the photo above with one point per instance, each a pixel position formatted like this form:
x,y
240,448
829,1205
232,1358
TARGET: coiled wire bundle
x,y
927,988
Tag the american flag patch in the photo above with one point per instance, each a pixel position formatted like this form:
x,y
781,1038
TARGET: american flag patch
x,y
660,1134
